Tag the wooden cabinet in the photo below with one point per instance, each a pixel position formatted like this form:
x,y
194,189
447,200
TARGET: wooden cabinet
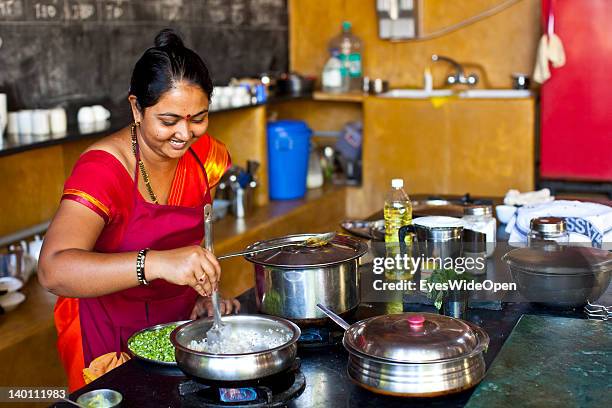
x,y
445,146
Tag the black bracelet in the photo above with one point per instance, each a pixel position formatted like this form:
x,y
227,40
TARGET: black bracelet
x,y
140,266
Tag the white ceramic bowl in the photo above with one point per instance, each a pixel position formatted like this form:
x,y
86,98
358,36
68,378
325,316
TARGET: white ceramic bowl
x,y
11,300
504,213
10,284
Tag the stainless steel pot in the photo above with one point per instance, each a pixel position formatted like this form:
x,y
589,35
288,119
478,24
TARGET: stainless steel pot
x,y
565,276
415,354
292,280
234,367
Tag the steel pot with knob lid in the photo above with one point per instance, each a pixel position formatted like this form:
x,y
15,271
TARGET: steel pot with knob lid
x,y
415,354
291,281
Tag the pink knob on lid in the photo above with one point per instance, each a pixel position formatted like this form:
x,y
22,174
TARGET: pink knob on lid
x,y
416,321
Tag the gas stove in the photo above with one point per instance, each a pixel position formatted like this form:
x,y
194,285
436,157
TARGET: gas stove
x,y
272,391
319,337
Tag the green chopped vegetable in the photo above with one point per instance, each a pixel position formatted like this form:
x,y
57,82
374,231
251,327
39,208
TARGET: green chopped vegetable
x,y
154,344
444,276
98,402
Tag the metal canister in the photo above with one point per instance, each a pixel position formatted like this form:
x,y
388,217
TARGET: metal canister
x,y
436,237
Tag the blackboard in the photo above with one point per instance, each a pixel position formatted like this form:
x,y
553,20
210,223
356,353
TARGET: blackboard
x,y
71,52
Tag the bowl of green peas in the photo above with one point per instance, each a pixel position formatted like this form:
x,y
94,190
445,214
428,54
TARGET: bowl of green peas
x,y
153,344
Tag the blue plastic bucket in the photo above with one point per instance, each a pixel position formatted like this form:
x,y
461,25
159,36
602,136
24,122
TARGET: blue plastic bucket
x,y
288,148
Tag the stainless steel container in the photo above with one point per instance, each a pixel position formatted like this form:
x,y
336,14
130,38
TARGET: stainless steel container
x,y
415,354
157,327
436,236
292,280
234,367
111,398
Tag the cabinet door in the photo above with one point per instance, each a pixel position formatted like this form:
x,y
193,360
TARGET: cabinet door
x,y
453,146
492,146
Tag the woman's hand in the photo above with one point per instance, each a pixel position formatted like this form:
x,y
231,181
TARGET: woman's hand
x,y
204,307
193,266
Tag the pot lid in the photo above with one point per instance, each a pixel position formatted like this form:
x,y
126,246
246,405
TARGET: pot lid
x,y
340,249
438,221
415,338
562,260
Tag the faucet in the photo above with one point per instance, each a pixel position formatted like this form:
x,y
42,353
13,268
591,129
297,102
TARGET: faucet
x,y
459,76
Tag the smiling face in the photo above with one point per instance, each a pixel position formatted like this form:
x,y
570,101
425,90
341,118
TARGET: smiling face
x,y
178,118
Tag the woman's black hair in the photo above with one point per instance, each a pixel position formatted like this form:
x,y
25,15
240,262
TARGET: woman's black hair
x,y
161,67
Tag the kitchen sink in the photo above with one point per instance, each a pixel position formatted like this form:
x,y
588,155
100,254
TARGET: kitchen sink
x,y
469,93
495,93
416,93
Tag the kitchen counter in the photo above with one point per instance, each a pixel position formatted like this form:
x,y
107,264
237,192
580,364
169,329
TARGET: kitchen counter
x,y
542,356
327,384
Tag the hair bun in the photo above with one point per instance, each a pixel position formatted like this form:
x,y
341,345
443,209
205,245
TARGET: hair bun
x,y
168,38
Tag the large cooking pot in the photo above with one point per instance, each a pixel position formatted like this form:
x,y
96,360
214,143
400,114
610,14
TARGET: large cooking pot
x,y
560,276
292,280
415,354
235,367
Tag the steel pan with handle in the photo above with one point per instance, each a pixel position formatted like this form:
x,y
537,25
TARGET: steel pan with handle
x,y
414,354
235,367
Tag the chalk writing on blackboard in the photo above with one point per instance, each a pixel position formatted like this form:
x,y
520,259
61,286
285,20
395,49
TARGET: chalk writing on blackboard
x,y
263,12
238,10
113,10
78,51
11,9
79,10
216,11
171,10
49,10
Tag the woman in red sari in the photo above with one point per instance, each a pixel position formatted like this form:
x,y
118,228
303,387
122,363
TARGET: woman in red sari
x,y
123,251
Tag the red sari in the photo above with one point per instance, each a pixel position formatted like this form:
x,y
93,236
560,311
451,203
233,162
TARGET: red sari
x,y
89,328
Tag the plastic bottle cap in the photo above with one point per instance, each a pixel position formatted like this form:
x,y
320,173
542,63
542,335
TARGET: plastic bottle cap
x,y
397,183
346,25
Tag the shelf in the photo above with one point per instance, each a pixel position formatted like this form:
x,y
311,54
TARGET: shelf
x,y
353,97
16,144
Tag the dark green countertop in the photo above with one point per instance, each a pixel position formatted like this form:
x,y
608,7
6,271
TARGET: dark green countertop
x,y
550,362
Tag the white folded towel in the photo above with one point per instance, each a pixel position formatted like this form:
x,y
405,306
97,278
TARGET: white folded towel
x,y
515,197
586,222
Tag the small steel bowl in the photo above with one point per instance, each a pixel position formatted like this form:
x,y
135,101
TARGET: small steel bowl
x,y
113,398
